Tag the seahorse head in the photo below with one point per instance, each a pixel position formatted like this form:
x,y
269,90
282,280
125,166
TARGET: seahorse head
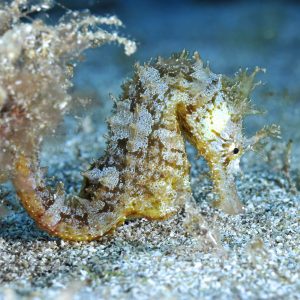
x,y
213,122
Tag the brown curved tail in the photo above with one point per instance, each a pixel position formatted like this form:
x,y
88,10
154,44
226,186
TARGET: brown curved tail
x,y
68,217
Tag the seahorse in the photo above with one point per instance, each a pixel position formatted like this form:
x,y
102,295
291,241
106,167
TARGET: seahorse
x,y
145,171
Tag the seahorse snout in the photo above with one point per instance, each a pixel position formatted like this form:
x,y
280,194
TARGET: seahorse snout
x,y
225,187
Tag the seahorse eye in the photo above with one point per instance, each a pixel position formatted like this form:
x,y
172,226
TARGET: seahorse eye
x,y
235,150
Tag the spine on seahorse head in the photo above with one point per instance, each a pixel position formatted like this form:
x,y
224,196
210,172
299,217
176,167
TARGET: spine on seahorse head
x,y
145,172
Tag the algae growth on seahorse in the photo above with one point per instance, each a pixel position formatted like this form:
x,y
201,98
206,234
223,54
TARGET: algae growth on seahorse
x,y
145,170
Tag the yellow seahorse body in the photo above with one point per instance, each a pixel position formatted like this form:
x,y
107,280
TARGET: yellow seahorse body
x,y
145,172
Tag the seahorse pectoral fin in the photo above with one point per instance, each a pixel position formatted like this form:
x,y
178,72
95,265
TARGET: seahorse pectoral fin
x,y
68,217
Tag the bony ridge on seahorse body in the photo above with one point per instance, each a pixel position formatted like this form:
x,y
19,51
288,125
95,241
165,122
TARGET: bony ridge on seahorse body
x,y
145,171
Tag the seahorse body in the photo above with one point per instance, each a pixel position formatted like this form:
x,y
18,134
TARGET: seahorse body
x,y
145,171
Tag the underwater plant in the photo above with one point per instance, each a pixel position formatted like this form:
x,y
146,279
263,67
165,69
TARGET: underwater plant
x,y
36,65
145,169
